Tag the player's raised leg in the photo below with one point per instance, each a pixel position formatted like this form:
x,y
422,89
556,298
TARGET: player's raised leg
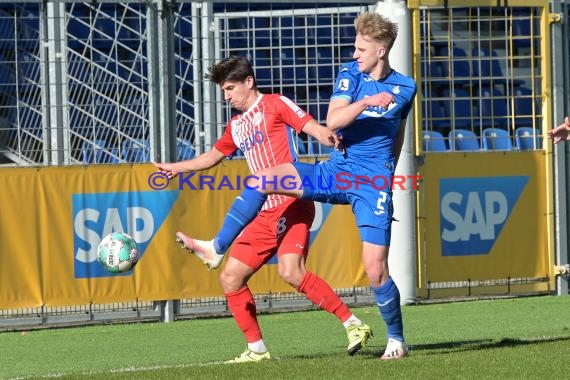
x,y
204,250
322,295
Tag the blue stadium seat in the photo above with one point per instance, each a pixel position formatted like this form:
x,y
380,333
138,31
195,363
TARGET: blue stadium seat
x,y
237,33
523,107
318,104
460,70
433,115
288,31
325,66
262,67
493,106
183,68
29,68
97,152
105,111
182,29
135,150
7,77
487,66
438,42
346,53
487,69
288,66
320,29
496,139
527,138
463,140
105,68
7,32
433,142
184,150
457,107
521,27
77,32
262,37
29,33
185,130
345,30
435,73
301,146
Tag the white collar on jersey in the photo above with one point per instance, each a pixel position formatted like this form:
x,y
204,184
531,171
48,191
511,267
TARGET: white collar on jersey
x,y
254,103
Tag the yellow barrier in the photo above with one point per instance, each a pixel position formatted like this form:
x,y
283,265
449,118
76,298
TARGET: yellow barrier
x,y
53,219
484,216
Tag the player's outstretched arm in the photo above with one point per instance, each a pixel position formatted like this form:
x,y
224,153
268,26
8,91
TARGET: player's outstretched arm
x,y
321,133
204,161
560,133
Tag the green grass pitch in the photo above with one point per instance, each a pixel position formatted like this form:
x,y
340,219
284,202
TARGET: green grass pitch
x,y
517,338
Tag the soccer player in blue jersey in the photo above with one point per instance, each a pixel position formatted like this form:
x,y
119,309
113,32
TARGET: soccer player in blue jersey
x,y
368,107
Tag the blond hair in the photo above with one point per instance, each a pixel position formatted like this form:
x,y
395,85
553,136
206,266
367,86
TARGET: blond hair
x,y
377,27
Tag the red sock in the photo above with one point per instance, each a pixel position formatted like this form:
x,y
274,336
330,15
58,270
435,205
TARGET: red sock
x,y
242,306
321,294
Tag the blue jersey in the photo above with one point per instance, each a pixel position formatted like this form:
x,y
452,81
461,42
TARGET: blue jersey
x,y
373,132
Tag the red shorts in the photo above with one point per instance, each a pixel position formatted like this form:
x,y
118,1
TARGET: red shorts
x,y
282,229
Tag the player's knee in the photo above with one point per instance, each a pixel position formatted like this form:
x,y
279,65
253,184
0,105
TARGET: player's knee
x,y
377,275
231,281
291,275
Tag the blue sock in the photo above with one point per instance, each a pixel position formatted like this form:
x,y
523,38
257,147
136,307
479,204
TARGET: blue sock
x,y
388,301
243,210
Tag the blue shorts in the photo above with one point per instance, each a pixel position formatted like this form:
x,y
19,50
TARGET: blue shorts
x,y
368,191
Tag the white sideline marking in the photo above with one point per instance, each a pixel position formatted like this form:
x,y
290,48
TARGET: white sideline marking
x,y
119,370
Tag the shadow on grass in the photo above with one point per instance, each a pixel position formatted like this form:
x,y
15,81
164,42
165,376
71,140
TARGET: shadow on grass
x,y
474,345
442,348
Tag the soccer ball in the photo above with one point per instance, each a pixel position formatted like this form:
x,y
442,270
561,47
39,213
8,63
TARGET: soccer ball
x,y
118,252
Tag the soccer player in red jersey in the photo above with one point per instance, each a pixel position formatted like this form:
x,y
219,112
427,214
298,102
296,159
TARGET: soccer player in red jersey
x,y
262,132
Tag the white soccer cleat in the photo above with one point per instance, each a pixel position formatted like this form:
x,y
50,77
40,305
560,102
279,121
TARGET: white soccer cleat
x,y
204,250
395,350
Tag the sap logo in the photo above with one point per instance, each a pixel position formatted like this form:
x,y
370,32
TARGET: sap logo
x,y
322,211
250,141
140,214
474,211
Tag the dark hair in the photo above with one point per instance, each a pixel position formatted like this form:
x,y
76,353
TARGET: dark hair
x,y
232,69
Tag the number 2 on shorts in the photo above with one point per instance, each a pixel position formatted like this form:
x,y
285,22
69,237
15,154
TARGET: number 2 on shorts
x,y
381,204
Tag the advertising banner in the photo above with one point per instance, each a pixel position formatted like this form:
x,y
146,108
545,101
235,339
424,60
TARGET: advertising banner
x,y
484,216
54,218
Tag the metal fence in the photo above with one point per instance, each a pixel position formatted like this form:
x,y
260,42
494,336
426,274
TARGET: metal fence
x,y
105,82
100,82
482,78
85,83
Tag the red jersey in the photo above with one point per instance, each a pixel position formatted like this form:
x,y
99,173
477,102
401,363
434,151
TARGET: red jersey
x,y
262,133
